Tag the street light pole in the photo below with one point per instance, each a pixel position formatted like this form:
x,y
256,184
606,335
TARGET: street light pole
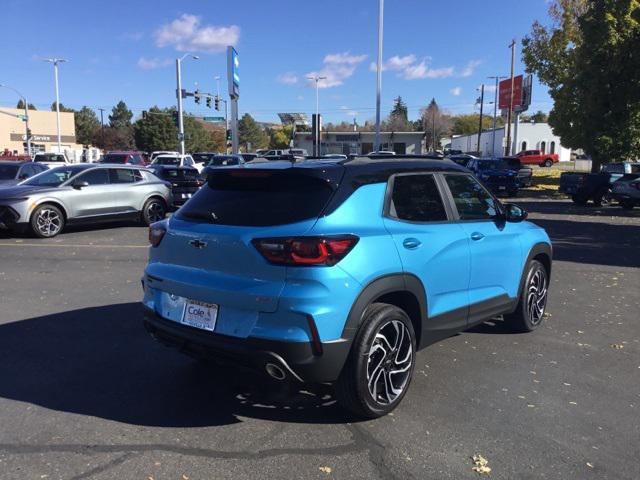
x,y
379,72
26,116
507,151
481,112
317,79
55,62
495,114
179,97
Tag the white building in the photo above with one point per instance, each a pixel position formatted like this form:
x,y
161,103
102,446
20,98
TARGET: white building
x,y
530,136
361,143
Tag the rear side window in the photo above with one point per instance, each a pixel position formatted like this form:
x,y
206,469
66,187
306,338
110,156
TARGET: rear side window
x,y
121,175
416,198
472,201
257,198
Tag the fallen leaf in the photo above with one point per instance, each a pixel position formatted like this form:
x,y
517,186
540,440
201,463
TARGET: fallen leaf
x,y
617,346
589,464
326,470
480,465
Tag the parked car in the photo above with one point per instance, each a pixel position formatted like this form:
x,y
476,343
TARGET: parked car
x,y
382,152
83,193
161,152
582,186
294,269
336,156
496,174
538,157
51,159
178,161
15,172
461,159
226,160
626,190
202,158
262,151
124,158
185,181
524,173
249,156
298,152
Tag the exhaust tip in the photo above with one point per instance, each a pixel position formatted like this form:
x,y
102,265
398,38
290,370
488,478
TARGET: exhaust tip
x,y
274,371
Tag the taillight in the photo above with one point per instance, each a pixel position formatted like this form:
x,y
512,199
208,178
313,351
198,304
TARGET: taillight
x,y
156,233
305,251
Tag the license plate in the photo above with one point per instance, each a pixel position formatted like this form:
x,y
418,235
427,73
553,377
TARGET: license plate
x,y
200,315
185,195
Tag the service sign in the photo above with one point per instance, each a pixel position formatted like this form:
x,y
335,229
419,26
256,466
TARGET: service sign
x,y
233,66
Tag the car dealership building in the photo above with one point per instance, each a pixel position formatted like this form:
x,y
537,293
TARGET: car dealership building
x,y
361,143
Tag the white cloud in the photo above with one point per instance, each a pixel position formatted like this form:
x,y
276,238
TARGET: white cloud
x,y
287,78
337,68
187,34
407,67
152,63
470,68
455,91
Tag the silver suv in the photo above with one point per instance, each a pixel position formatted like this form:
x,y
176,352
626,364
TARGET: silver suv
x,y
82,193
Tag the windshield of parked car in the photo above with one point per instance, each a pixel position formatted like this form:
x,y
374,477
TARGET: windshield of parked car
x,y
8,172
54,177
115,158
492,165
167,161
201,157
223,160
49,158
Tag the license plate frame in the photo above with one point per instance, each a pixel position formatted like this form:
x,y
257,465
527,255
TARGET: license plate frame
x,y
200,315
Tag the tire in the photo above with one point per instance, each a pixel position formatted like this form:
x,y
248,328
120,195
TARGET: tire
x,y
529,313
603,199
627,205
579,200
368,385
153,211
548,163
47,221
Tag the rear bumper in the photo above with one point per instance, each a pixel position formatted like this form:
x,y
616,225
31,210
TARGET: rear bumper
x,y
296,359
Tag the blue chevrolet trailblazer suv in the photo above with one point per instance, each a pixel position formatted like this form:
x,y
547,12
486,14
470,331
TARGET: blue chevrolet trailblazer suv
x,y
340,270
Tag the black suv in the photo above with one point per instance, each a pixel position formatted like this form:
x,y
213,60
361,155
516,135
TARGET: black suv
x,y
496,174
184,181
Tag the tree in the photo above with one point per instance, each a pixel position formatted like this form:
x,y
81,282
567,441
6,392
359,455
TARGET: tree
x,y
86,124
280,137
435,121
587,58
113,138
157,131
197,139
20,105
466,124
62,108
252,136
398,120
120,116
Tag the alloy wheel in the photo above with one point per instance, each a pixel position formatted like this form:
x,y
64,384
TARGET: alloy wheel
x,y
389,362
155,212
48,222
537,296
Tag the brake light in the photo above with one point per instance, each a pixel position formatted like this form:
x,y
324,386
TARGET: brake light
x,y
305,251
156,233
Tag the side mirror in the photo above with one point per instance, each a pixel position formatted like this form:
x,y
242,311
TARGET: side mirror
x,y
79,185
513,213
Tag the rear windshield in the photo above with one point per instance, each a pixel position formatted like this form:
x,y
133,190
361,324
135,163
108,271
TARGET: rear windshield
x,y
223,160
492,165
167,161
49,158
180,174
115,158
201,157
257,198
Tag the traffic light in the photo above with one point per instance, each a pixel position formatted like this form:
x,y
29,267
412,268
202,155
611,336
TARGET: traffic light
x,y
217,103
144,114
208,102
28,133
174,114
228,134
196,96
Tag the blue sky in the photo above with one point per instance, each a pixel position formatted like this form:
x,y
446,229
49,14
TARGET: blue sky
x,y
126,50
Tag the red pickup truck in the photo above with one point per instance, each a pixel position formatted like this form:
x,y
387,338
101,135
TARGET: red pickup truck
x,y
537,157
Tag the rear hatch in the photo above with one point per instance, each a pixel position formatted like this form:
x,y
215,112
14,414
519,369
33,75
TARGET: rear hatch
x,y
207,252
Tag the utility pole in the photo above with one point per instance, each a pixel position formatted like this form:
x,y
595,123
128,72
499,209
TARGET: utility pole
x,y
179,97
507,148
379,72
316,145
495,115
433,127
102,126
480,123
55,62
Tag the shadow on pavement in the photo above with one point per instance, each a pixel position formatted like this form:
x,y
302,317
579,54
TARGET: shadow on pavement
x,y
101,362
569,208
593,242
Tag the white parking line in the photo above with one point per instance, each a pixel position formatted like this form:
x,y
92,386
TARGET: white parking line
x,y
63,245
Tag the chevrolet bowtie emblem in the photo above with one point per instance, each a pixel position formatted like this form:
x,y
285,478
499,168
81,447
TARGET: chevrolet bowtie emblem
x,y
197,243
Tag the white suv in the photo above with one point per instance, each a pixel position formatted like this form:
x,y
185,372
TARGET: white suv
x,y
177,161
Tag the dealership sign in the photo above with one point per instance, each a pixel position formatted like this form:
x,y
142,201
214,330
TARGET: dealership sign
x,y
21,137
521,93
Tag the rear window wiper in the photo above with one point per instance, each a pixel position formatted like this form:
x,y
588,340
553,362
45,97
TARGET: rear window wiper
x,y
208,216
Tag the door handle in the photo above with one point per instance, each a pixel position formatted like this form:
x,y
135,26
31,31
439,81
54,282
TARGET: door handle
x,y
411,243
477,236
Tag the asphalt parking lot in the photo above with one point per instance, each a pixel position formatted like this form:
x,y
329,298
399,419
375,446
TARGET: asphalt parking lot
x,y
85,393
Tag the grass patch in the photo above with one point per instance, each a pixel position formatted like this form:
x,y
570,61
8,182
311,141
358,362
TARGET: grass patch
x,y
545,182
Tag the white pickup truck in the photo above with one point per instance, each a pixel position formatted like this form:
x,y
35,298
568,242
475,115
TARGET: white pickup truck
x,y
51,160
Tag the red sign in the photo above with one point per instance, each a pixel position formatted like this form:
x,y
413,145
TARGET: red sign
x,y
505,90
